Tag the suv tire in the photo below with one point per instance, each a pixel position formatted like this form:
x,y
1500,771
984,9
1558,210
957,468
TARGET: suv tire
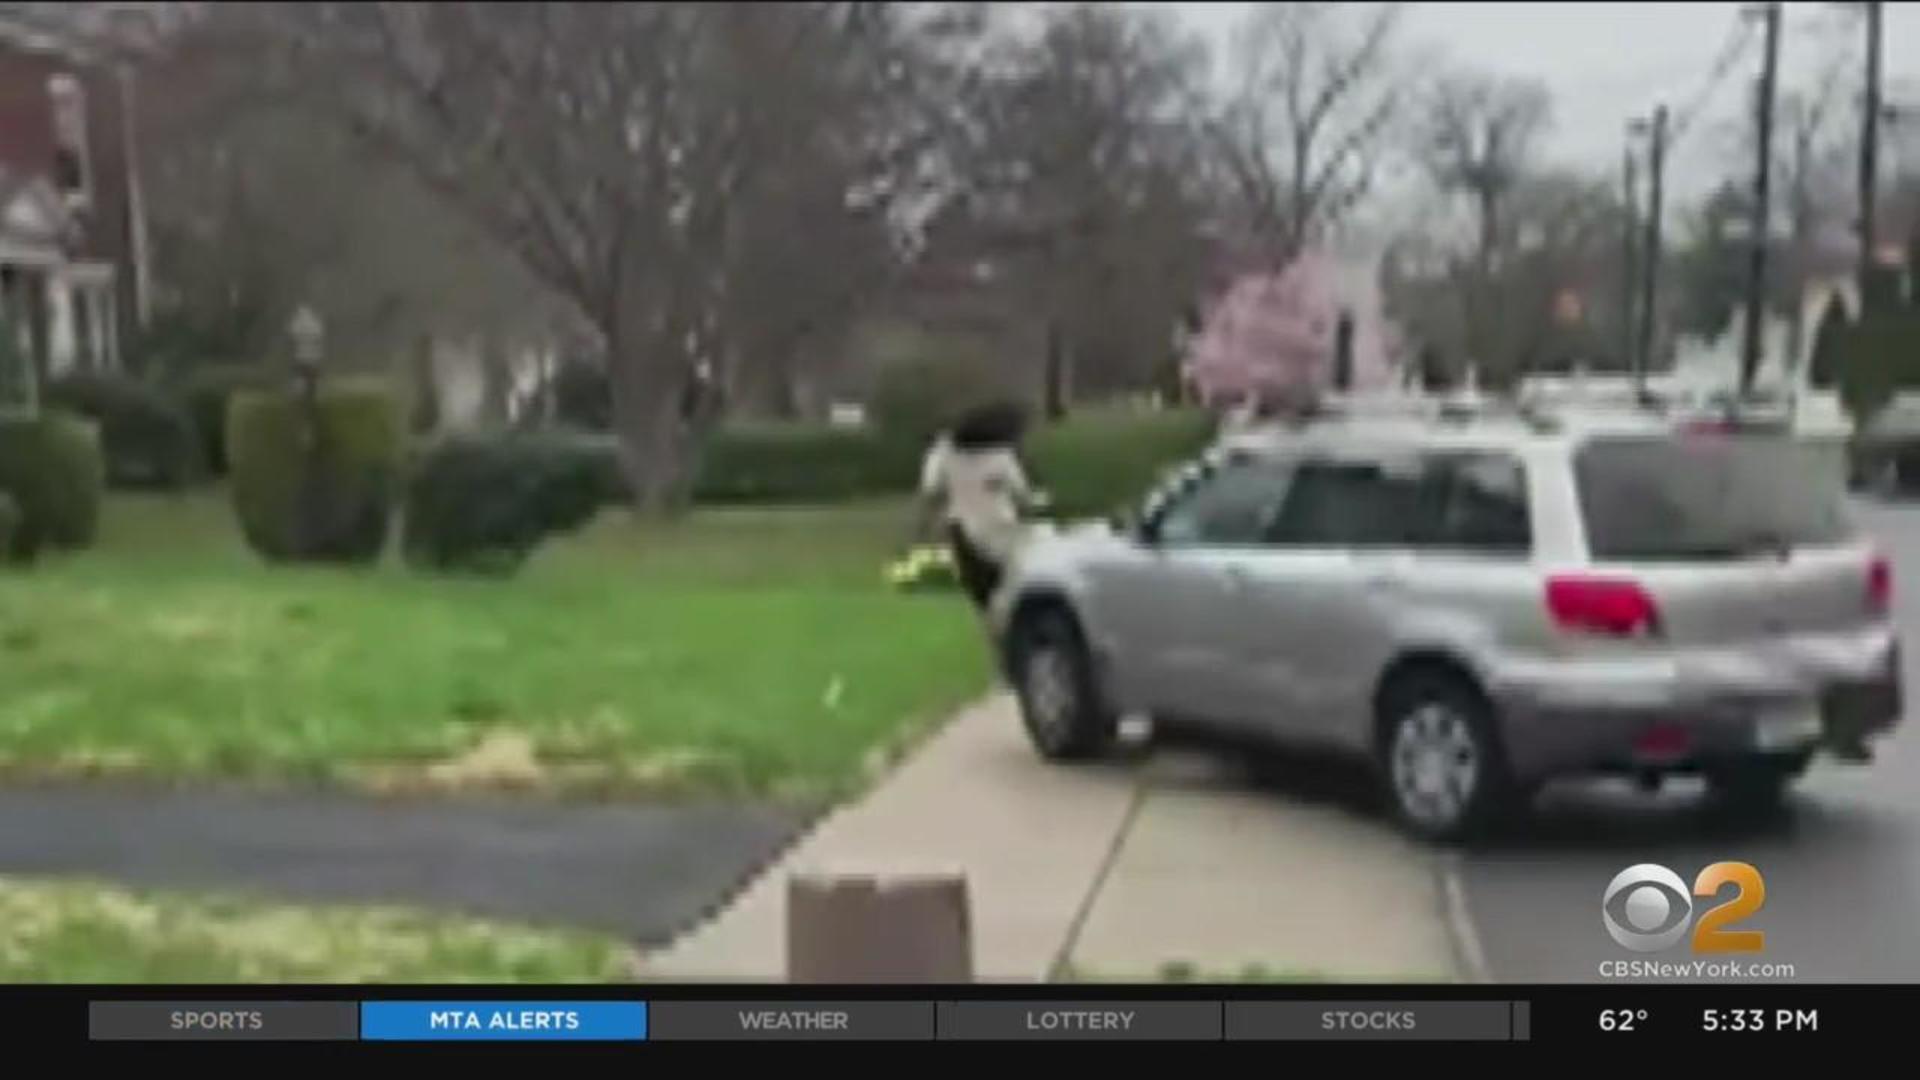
x,y
1756,785
1440,758
1060,699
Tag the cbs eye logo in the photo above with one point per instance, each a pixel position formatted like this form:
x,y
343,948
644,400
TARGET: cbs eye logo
x,y
1648,908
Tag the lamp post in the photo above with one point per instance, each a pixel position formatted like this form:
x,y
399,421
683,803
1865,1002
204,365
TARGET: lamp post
x,y
309,340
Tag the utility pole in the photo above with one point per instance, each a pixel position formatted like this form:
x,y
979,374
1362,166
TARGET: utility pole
x,y
1801,213
1763,171
1630,207
1650,253
1870,146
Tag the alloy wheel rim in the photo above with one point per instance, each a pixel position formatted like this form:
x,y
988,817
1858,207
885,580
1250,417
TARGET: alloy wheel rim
x,y
1435,764
1050,693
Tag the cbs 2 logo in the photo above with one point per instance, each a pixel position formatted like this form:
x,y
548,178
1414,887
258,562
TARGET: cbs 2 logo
x,y
1648,908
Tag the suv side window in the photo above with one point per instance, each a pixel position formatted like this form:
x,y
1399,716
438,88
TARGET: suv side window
x,y
1465,501
1356,503
1235,505
1483,501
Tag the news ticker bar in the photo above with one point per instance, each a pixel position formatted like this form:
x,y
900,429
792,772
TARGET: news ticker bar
x,y
642,1021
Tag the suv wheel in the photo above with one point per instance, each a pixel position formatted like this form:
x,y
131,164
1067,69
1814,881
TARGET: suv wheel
x,y
1059,700
1443,768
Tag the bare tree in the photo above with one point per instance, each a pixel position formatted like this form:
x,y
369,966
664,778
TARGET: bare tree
x,y
1314,90
1811,181
1087,188
250,218
1477,138
611,147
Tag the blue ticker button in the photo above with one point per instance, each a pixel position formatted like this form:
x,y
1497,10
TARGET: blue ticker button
x,y
594,1021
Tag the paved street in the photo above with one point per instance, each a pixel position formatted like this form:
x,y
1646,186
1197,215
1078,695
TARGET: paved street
x,y
1842,870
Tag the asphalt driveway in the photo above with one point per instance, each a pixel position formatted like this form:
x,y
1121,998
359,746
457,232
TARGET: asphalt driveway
x,y
641,870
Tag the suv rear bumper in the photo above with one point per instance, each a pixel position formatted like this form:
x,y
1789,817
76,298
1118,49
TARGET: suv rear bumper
x,y
1670,724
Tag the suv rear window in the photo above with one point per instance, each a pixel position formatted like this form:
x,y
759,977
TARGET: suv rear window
x,y
1709,497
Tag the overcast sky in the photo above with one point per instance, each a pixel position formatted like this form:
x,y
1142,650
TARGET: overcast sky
x,y
1605,62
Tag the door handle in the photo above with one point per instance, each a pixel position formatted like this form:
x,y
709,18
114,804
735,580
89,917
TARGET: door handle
x,y
1379,577
1238,577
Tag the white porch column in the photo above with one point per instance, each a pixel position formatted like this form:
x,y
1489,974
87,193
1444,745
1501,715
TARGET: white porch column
x,y
61,340
108,336
101,332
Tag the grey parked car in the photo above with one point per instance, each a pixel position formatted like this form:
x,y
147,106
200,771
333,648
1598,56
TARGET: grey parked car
x,y
1477,606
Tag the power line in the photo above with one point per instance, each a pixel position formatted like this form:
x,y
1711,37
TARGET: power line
x,y
1739,38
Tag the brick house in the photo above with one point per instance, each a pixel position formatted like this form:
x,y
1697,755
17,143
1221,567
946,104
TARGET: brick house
x,y
72,282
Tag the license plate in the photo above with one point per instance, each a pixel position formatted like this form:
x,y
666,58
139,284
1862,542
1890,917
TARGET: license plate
x,y
1785,726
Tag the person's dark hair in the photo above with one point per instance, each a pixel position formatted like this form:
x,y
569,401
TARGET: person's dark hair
x,y
985,427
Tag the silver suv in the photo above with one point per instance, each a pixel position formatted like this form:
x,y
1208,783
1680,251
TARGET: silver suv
x,y
1477,606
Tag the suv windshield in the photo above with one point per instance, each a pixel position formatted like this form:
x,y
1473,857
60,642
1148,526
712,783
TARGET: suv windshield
x,y
1718,497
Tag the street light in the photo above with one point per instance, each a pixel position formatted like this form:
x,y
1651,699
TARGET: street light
x,y
309,341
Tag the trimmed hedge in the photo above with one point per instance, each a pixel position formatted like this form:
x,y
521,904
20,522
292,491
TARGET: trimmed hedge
x,y
803,463
148,440
915,398
1099,461
51,466
205,394
351,495
9,525
1095,462
482,503
772,463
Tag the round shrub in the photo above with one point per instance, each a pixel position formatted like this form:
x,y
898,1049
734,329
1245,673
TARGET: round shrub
x,y
50,464
331,504
482,503
802,463
147,439
1101,460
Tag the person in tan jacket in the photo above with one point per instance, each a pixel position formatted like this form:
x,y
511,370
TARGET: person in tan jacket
x,y
973,481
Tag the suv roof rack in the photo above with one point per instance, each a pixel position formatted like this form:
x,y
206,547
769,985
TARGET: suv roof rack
x,y
1451,410
1548,406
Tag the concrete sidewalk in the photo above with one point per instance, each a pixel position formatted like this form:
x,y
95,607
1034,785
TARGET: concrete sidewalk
x,y
1031,840
1119,869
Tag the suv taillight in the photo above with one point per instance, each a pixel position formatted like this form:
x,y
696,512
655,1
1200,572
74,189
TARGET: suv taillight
x,y
1880,585
1596,605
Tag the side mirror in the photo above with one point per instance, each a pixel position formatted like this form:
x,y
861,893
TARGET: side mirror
x,y
1142,525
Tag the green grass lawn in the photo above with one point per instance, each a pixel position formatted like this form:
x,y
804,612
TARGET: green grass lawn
x,y
734,651
81,932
